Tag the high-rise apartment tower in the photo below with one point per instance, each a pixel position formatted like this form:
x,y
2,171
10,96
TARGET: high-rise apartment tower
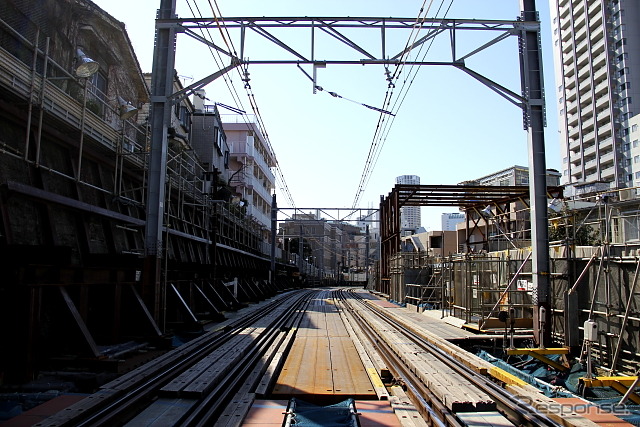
x,y
409,215
597,64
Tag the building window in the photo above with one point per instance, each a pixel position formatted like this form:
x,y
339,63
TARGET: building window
x,y
635,143
565,160
636,159
626,147
634,128
637,175
96,93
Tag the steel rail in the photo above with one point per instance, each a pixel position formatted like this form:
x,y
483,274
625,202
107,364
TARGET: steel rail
x,y
428,404
207,410
128,399
522,413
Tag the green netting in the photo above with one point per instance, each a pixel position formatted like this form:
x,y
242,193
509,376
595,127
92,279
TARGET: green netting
x,y
338,415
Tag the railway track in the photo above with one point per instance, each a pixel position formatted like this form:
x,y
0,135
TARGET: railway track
x,y
407,355
214,380
192,385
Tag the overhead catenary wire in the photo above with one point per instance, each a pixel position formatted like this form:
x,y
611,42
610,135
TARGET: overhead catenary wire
x,y
384,123
369,162
280,180
403,93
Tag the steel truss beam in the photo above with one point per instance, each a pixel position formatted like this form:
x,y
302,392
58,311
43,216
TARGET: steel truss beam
x,y
340,215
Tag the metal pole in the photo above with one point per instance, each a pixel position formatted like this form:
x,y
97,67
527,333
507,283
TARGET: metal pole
x,y
300,249
161,88
366,258
274,226
534,122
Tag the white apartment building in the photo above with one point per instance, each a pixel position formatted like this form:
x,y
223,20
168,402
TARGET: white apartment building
x,y
597,66
450,220
409,215
250,161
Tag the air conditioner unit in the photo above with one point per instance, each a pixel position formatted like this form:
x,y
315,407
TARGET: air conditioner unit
x,y
627,194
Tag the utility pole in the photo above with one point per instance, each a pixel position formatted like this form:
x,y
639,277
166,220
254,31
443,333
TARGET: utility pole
x,y
534,122
161,88
274,226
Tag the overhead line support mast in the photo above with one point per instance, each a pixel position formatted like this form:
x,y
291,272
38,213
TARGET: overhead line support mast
x,y
531,99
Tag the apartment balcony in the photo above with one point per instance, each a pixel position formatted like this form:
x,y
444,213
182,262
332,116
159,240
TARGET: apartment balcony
x,y
601,88
600,60
591,150
593,7
570,95
604,116
601,73
260,216
572,107
59,104
572,120
569,72
241,149
586,100
260,187
567,60
579,18
595,26
607,158
583,59
606,144
575,159
584,86
590,167
581,34
586,124
584,73
602,102
587,139
576,175
598,47
575,146
567,45
574,132
607,128
608,173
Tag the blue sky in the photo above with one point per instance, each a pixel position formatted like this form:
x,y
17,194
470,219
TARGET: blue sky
x,y
450,128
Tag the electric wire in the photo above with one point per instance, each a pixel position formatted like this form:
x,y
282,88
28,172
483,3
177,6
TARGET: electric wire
x,y
280,181
381,119
384,124
403,93
279,174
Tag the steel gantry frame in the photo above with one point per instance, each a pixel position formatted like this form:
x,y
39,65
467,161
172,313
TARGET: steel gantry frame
x,y
530,100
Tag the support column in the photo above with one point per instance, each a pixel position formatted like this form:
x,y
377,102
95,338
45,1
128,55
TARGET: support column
x,y
534,122
161,88
274,230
